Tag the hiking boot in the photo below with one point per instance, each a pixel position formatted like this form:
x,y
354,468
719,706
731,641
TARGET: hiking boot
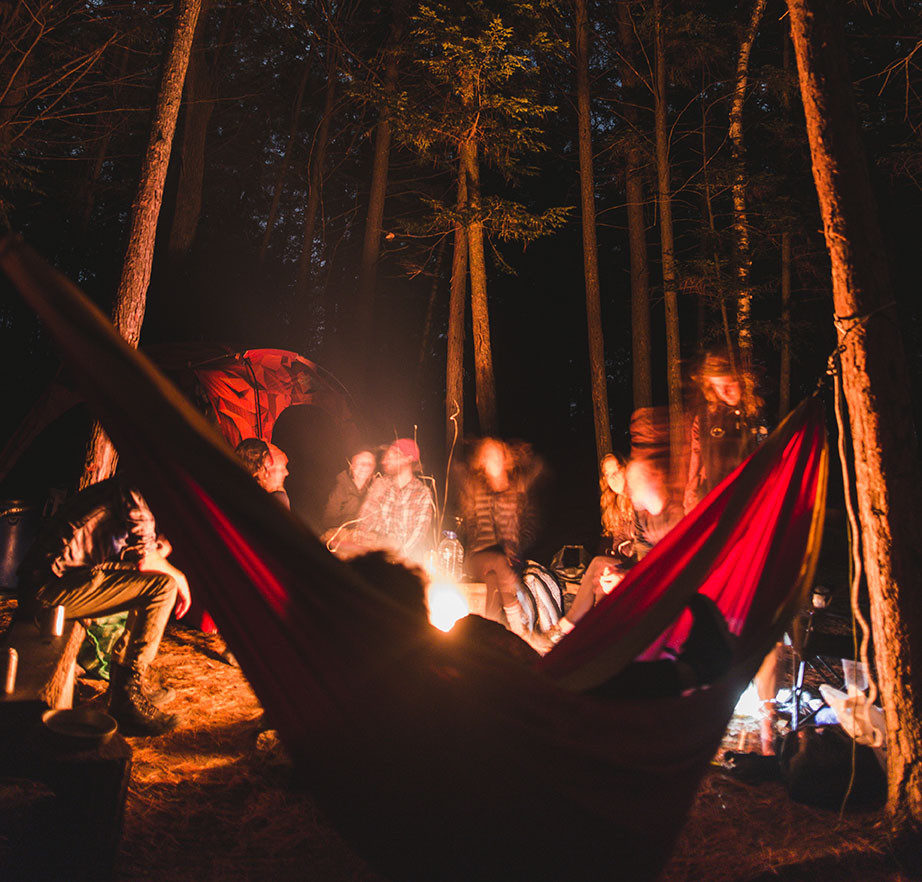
x,y
134,711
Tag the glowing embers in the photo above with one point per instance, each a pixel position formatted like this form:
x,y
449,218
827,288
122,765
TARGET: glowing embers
x,y
447,603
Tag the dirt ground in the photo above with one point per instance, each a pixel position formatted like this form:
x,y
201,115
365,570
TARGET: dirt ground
x,y
212,801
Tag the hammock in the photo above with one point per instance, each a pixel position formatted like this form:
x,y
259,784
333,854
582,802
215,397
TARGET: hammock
x,y
445,762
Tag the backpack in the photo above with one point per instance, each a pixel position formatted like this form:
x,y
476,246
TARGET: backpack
x,y
544,599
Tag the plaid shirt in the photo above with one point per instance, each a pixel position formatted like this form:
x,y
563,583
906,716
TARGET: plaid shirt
x,y
397,517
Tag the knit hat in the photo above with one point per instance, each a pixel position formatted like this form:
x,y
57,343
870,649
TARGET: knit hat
x,y
407,447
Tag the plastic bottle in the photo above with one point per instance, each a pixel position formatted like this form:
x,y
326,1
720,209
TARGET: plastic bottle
x,y
450,556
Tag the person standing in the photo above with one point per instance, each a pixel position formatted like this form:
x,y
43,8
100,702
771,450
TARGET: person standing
x,y
726,428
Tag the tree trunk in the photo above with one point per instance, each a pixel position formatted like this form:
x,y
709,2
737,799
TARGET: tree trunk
x,y
374,218
102,149
426,335
130,300
784,368
315,184
597,373
712,231
637,228
286,156
667,247
199,105
740,219
484,382
454,367
876,383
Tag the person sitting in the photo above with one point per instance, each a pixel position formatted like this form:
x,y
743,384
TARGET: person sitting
x,y
397,512
350,491
705,655
407,585
276,473
655,511
255,455
499,524
100,555
602,575
615,507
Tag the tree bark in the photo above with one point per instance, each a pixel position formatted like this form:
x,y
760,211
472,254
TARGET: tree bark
x,y
637,228
712,230
286,156
484,382
875,378
740,218
597,373
784,367
667,249
315,184
426,335
199,105
102,150
374,218
131,297
454,367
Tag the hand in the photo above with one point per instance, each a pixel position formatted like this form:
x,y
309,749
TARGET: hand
x,y
154,562
183,595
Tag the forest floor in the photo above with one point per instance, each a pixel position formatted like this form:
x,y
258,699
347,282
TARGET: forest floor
x,y
213,801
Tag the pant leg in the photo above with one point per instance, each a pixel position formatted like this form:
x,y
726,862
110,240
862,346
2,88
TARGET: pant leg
x,y
492,567
588,588
91,592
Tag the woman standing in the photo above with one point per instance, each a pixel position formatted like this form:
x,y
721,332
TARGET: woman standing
x,y
726,429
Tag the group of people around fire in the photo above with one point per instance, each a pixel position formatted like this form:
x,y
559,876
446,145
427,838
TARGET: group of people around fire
x,y
101,553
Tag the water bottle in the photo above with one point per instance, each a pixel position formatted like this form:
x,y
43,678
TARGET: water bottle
x,y
450,556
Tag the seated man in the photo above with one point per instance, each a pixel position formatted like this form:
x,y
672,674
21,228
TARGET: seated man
x,y
276,472
266,463
100,555
397,512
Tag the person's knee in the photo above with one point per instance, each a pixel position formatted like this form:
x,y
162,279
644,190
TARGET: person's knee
x,y
161,587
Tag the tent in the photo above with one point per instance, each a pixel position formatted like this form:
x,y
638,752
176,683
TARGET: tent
x,y
244,391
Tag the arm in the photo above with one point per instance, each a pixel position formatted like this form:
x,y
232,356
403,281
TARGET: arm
x,y
422,516
155,562
693,481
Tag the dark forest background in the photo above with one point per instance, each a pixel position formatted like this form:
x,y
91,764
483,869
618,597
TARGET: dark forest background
x,y
261,230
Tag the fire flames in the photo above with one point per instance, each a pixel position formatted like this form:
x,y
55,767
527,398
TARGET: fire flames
x,y
447,604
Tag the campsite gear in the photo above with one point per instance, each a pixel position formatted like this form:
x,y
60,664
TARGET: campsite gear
x,y
569,564
855,675
545,593
102,637
132,707
19,523
453,735
12,663
816,769
450,556
82,725
863,721
53,625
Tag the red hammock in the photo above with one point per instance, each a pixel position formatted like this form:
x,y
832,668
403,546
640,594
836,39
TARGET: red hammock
x,y
438,761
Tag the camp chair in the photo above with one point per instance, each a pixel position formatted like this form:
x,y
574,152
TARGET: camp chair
x,y
456,762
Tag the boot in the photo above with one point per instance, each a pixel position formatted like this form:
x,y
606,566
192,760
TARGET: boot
x,y
135,713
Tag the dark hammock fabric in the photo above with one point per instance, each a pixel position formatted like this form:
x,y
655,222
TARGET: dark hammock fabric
x,y
439,761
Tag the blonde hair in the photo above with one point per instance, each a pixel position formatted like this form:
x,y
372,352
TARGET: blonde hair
x,y
615,508
717,364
